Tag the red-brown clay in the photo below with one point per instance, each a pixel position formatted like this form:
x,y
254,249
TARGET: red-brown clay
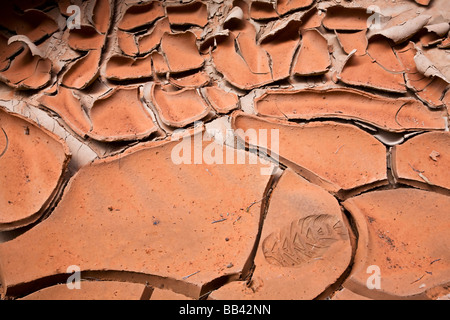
x,y
120,116
342,145
86,38
69,108
305,245
196,80
152,39
363,72
127,43
161,294
186,60
400,114
221,101
84,71
122,68
178,108
33,162
350,41
262,10
423,2
313,58
423,161
36,25
166,233
92,290
235,69
285,6
136,75
342,18
140,15
403,233
194,13
27,71
380,50
101,15
159,63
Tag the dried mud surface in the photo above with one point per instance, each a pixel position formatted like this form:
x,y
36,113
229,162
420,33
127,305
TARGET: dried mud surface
x,y
126,151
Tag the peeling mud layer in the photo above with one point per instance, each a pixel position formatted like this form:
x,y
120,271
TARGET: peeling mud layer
x,y
226,149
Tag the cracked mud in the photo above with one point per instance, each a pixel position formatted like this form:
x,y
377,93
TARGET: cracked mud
x,y
126,154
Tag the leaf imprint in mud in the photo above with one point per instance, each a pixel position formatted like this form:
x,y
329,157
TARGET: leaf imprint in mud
x,y
303,240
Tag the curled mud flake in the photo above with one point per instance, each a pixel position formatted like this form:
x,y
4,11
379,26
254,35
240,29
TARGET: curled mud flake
x,y
149,41
274,29
112,182
195,80
363,71
423,2
382,53
91,290
434,155
127,43
350,41
69,108
6,143
235,69
29,4
433,93
122,68
397,236
83,72
101,16
234,17
35,51
263,10
141,15
180,61
417,161
36,25
395,115
28,71
445,44
159,63
296,153
29,184
404,31
342,18
313,58
8,51
281,42
284,6
304,231
312,19
86,38
303,240
179,108
434,34
120,116
194,13
221,101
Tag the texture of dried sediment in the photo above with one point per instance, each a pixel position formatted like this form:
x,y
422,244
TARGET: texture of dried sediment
x,y
401,235
353,98
326,164
166,231
304,233
33,163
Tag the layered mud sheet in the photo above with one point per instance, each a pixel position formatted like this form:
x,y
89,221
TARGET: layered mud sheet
x,y
224,149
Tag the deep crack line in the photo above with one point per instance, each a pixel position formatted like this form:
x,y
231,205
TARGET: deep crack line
x,y
7,143
265,203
